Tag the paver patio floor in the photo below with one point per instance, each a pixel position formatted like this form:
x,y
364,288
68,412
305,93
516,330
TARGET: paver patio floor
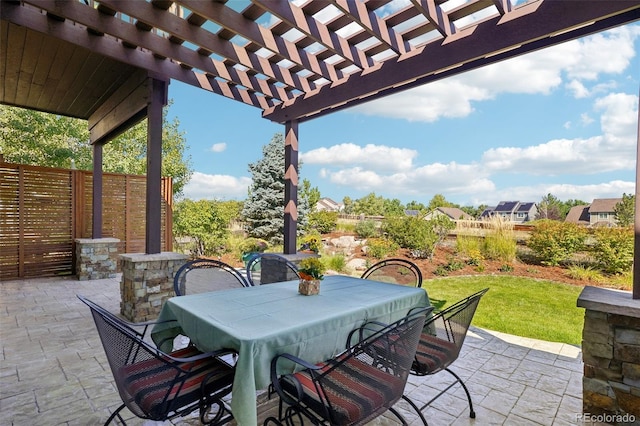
x,y
53,369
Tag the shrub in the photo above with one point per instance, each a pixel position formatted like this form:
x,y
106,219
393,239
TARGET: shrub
x,y
380,247
253,245
506,268
584,273
366,228
453,264
441,271
471,248
311,242
336,262
554,242
613,249
346,227
323,221
418,235
500,241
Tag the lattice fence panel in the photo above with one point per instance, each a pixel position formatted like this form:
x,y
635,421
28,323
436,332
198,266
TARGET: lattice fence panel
x,y
9,223
43,210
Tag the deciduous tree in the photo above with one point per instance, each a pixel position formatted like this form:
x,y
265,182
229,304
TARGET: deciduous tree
x,y
625,210
206,221
41,139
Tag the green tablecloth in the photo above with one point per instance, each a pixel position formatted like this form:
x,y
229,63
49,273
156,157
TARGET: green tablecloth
x,y
261,322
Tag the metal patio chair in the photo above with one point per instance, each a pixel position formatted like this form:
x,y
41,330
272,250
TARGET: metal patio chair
x,y
395,271
205,275
356,386
267,268
160,386
441,341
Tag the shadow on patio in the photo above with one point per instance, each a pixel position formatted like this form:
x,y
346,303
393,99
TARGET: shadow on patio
x,y
54,370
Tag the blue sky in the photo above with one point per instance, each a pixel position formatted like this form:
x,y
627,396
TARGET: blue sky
x,y
563,120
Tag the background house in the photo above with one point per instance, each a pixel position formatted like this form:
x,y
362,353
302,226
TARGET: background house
x,y
328,205
578,214
601,212
514,211
452,213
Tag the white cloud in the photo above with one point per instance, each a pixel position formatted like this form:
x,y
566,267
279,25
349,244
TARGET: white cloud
x,y
420,182
579,90
619,119
539,72
585,119
218,147
613,150
204,186
376,157
368,169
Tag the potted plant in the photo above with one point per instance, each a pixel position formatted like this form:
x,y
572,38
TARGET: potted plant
x,y
311,271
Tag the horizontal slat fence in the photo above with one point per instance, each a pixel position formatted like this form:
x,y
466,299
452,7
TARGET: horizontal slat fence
x,y
43,210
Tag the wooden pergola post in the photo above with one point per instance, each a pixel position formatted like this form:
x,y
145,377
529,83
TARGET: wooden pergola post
x,y
157,101
290,186
96,202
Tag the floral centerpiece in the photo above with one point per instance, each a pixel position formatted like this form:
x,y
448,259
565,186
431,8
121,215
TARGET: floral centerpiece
x,y
311,271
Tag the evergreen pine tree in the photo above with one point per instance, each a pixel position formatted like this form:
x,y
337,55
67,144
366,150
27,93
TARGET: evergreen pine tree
x,y
263,210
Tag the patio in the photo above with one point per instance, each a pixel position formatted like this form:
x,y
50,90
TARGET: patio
x,y
54,371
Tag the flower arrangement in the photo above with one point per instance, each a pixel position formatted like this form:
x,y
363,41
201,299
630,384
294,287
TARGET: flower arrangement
x,y
311,242
311,268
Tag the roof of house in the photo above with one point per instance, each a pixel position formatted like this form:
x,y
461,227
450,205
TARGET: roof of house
x,y
454,213
578,214
525,207
328,204
412,212
603,205
506,206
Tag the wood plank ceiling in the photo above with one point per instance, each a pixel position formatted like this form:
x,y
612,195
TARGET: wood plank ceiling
x,y
294,60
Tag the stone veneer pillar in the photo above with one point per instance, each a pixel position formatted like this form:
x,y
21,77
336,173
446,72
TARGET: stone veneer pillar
x,y
96,258
147,281
611,355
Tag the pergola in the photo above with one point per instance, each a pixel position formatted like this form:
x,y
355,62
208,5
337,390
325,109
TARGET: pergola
x,y
110,62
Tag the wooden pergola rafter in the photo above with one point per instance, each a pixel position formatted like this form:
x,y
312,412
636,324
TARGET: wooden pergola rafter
x,y
109,61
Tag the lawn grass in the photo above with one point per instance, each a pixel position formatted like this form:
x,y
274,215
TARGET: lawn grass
x,y
525,307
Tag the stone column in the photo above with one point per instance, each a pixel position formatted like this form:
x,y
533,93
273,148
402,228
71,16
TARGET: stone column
x,y
611,355
96,258
147,281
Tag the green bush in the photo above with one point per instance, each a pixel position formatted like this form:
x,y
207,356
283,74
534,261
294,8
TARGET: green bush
x,y
613,249
381,247
323,221
500,241
366,229
584,273
554,242
418,235
253,245
311,242
336,262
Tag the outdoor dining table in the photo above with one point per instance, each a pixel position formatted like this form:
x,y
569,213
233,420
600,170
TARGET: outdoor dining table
x,y
263,321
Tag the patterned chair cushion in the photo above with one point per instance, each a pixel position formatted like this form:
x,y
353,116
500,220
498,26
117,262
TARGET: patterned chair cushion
x,y
354,391
433,355
156,388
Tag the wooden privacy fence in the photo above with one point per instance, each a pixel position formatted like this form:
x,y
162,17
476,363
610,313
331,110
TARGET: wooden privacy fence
x,y
43,210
